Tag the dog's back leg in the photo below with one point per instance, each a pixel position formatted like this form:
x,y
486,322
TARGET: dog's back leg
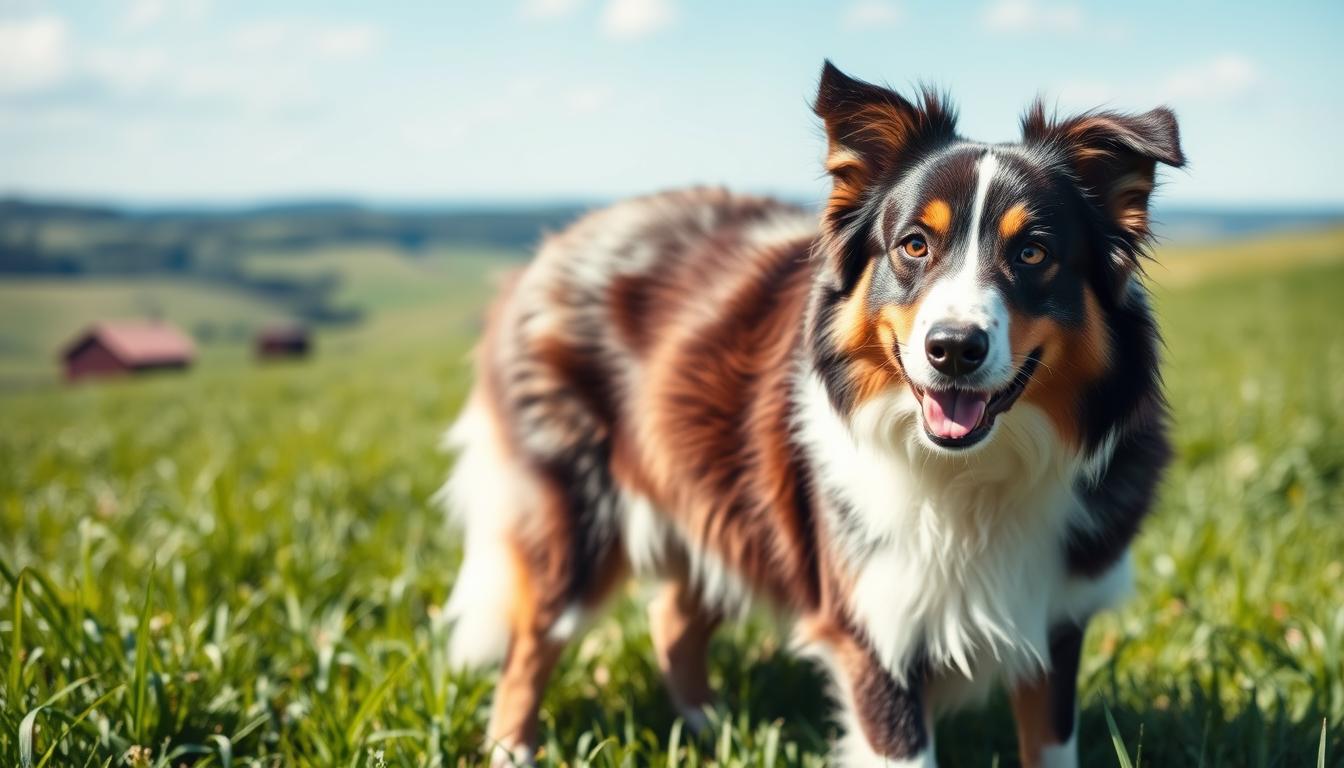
x,y
562,575
681,628
538,561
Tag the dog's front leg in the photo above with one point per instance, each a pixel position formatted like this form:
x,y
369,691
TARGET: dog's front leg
x,y
1046,707
885,719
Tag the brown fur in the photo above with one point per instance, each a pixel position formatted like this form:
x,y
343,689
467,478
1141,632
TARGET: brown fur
x,y
1031,711
937,216
1012,221
1071,362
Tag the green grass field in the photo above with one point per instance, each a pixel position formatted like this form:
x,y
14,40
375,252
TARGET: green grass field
x,y
241,566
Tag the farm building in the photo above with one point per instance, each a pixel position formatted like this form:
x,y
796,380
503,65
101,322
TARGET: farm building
x,y
112,349
283,342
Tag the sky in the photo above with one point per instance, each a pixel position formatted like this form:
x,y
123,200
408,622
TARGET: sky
x,y
236,101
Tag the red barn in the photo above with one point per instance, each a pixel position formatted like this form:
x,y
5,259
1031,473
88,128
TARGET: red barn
x,y
114,349
283,341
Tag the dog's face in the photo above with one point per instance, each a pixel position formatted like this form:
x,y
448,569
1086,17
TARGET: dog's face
x,y
979,275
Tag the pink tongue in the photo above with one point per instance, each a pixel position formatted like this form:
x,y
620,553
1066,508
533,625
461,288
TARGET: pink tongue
x,y
953,414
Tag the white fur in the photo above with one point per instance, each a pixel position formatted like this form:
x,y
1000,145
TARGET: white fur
x,y
567,624
482,496
963,297
1095,463
509,756
1061,755
1079,598
718,585
959,554
648,534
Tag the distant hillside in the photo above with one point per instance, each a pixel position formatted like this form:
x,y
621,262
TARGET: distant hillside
x,y
60,238
1180,225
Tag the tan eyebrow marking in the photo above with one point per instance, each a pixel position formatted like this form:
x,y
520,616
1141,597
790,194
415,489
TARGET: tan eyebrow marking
x,y
937,216
1013,220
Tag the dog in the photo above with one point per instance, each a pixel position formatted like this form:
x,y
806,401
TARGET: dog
x,y
926,427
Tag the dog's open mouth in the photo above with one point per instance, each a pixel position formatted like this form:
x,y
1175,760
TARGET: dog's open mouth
x,y
960,418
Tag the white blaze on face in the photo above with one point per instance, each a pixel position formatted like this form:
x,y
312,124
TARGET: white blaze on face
x,y
964,298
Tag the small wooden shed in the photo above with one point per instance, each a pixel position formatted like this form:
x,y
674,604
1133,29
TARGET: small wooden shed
x,y
120,348
280,342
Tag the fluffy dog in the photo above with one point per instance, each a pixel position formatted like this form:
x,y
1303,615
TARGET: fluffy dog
x,y
927,426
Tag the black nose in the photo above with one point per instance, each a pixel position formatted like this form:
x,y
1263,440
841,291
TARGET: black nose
x,y
956,350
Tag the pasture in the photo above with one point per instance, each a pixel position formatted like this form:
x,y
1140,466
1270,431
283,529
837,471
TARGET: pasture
x,y
242,566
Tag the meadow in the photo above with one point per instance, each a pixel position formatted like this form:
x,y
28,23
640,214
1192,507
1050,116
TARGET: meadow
x,y
242,565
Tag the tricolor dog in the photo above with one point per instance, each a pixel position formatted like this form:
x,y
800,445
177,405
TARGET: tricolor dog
x,y
926,426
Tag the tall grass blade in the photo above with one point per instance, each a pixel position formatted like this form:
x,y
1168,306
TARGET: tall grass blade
x,y
26,733
225,747
140,680
16,648
1121,754
674,744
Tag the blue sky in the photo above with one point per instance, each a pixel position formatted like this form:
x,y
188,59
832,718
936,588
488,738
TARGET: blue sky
x,y
233,101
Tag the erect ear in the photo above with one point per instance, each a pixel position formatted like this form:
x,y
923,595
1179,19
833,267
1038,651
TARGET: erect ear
x,y
1114,156
869,129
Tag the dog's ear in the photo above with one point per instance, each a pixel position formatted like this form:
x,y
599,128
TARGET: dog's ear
x,y
1114,157
869,129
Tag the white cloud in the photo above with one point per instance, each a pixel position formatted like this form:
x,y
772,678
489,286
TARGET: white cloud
x,y
586,100
34,53
540,10
347,41
1211,81
1085,94
1032,16
634,19
871,14
142,13
1217,79
259,36
307,39
127,70
146,13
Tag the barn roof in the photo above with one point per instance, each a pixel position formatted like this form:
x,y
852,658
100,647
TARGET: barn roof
x,y
138,343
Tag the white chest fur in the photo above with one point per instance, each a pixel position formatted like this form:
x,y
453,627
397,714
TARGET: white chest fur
x,y
955,555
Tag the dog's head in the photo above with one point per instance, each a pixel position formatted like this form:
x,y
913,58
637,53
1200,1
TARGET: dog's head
x,y
979,275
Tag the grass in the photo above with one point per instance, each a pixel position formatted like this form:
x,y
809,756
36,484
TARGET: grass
x,y
378,278
240,567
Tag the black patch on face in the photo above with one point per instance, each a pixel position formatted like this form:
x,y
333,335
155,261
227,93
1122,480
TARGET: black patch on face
x,y
1053,289
887,287
947,175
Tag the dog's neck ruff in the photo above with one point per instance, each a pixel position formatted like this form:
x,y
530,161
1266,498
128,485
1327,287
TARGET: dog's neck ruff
x,y
952,555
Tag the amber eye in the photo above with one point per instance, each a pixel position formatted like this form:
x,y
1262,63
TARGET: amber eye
x,y
1031,255
915,247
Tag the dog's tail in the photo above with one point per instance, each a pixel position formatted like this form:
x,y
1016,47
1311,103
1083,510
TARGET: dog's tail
x,y
481,500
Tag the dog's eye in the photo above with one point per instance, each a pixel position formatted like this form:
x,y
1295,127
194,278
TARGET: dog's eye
x,y
1031,255
915,247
